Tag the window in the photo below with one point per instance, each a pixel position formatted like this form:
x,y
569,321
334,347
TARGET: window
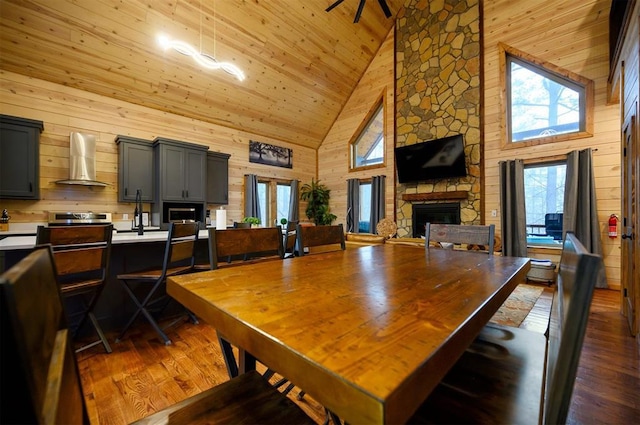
x,y
544,202
283,197
263,200
364,225
544,103
274,197
367,149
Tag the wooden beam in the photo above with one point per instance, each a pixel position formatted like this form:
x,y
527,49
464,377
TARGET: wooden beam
x,y
435,196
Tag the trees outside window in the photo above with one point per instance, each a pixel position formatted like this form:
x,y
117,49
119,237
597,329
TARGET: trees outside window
x,y
544,103
544,194
274,197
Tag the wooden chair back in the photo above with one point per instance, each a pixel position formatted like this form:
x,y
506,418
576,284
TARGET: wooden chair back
x,y
331,237
180,250
81,254
38,365
247,243
516,375
82,257
577,276
461,234
39,368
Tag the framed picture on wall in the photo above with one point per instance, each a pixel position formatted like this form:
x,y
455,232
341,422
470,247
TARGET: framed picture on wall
x,y
264,153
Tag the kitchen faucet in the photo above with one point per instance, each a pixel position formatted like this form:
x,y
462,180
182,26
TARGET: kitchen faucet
x,y
138,211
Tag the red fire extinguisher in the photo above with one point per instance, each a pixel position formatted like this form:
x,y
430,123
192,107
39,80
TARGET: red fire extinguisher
x,y
613,226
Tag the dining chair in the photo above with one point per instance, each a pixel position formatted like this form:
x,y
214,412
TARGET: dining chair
x,y
245,244
515,375
81,254
482,236
179,258
40,379
40,370
325,238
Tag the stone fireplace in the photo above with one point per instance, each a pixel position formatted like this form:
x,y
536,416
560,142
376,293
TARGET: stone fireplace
x,y
446,213
439,94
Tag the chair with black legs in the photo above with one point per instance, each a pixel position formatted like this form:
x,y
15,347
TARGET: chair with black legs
x,y
477,235
235,247
179,258
81,254
320,239
40,370
515,375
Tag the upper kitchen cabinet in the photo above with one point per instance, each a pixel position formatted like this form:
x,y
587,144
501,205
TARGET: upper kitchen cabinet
x,y
217,178
136,169
182,170
19,157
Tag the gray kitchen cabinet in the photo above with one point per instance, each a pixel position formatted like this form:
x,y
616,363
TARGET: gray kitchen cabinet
x,y
181,178
182,170
136,169
217,178
19,157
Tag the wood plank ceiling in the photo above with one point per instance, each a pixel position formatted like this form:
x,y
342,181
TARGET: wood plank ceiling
x,y
301,63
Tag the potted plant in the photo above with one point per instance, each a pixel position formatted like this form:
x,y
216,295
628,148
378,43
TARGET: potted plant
x,y
283,221
253,221
317,197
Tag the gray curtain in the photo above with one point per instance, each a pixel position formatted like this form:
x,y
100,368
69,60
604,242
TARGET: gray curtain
x,y
377,201
512,208
251,204
580,214
353,205
294,202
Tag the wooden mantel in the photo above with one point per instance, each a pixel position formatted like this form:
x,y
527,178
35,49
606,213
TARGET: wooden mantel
x,y
435,196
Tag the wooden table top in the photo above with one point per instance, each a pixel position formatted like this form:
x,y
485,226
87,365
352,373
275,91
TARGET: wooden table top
x,y
367,332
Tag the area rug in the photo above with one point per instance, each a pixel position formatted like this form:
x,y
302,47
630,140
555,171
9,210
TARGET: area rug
x,y
518,305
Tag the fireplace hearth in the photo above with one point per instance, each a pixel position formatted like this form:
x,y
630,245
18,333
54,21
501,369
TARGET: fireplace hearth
x,y
445,213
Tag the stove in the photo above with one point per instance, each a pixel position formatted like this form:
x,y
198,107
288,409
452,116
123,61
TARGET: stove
x,y
78,218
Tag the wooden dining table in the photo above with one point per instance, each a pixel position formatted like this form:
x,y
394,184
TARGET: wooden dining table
x,y
367,332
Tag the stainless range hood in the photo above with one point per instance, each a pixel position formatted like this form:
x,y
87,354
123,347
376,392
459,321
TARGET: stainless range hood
x,y
82,161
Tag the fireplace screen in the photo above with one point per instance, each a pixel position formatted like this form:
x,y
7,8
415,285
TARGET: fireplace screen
x,y
445,213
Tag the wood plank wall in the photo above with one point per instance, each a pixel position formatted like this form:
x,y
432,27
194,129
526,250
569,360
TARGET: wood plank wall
x,y
63,110
574,36
570,35
333,154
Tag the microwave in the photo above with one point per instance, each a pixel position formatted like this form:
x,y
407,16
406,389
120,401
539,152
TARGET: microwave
x,y
182,215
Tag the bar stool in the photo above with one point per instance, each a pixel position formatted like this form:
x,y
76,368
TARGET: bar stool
x,y
179,258
81,255
42,372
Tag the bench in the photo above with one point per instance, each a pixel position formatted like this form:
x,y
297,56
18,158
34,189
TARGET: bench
x,y
513,375
39,368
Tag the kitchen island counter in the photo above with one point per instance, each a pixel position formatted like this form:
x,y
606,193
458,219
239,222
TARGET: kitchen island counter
x,y
28,242
129,252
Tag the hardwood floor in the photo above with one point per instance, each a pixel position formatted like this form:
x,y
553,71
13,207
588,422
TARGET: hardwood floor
x,y
142,375
607,388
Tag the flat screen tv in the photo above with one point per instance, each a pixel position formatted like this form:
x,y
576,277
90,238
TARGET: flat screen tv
x,y
435,159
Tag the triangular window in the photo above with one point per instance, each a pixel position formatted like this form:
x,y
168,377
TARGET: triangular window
x,y
544,103
367,148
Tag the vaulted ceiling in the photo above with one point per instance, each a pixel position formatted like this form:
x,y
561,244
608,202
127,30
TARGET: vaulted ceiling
x,y
301,63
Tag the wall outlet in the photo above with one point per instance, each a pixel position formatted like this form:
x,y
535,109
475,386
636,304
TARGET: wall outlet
x,y
125,216
494,213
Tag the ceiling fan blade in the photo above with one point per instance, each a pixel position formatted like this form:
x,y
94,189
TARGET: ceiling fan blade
x,y
328,9
359,12
385,7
